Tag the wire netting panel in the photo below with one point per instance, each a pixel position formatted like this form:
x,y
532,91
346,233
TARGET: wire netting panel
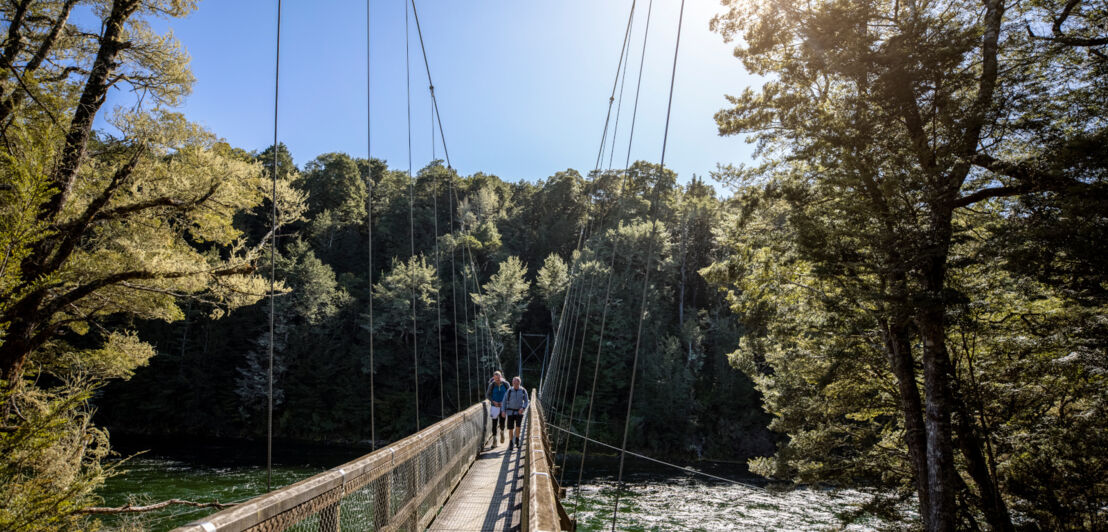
x,y
400,487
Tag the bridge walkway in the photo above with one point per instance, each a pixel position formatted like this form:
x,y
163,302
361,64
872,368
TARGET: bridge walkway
x,y
490,497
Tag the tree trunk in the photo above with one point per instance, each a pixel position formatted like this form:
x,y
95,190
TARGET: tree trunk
x,y
992,502
899,350
20,338
938,372
92,97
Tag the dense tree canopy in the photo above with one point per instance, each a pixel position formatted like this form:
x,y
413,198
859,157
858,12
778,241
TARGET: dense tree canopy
x,y
901,141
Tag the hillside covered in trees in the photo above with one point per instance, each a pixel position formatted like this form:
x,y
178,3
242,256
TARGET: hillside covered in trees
x,y
514,240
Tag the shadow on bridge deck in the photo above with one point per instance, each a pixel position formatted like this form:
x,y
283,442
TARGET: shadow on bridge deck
x,y
490,497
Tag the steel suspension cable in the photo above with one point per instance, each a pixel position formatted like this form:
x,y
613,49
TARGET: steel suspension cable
x,y
619,105
570,338
454,297
612,262
369,226
411,219
438,292
468,253
465,311
622,79
566,415
600,339
273,263
544,391
577,380
615,82
599,156
686,469
555,353
579,324
638,85
646,272
436,117
430,84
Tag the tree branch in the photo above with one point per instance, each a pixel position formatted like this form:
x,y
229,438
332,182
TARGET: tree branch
x,y
74,231
51,38
15,37
986,87
131,509
164,201
136,275
1060,36
1029,179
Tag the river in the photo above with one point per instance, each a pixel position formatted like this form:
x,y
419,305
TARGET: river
x,y
655,499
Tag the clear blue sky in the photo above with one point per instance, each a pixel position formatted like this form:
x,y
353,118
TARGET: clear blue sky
x,y
522,85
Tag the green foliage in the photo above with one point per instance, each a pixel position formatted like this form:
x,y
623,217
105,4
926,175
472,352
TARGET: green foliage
x,y
895,257
50,458
502,302
98,232
413,280
551,283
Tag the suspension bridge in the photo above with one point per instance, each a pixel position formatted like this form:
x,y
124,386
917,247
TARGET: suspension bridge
x,y
451,476
454,475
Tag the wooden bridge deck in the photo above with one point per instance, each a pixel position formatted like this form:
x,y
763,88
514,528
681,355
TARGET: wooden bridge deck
x,y
490,496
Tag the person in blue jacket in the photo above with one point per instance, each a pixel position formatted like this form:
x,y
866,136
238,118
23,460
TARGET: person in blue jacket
x,y
495,396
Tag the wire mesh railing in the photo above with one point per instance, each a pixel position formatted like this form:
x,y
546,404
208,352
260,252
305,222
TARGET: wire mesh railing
x,y
400,487
542,507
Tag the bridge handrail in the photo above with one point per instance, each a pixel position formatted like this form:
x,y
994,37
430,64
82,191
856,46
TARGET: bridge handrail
x,y
322,495
542,509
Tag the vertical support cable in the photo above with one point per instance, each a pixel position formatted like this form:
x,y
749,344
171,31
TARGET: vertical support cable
x,y
465,316
454,300
369,226
411,218
273,263
646,272
544,391
438,260
438,292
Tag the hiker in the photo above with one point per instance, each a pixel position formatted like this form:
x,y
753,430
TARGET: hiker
x,y
495,395
515,403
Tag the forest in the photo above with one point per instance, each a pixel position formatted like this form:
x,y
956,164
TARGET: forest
x,y
513,240
906,291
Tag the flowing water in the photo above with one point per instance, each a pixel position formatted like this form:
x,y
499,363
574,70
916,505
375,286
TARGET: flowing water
x,y
654,500
151,480
682,503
